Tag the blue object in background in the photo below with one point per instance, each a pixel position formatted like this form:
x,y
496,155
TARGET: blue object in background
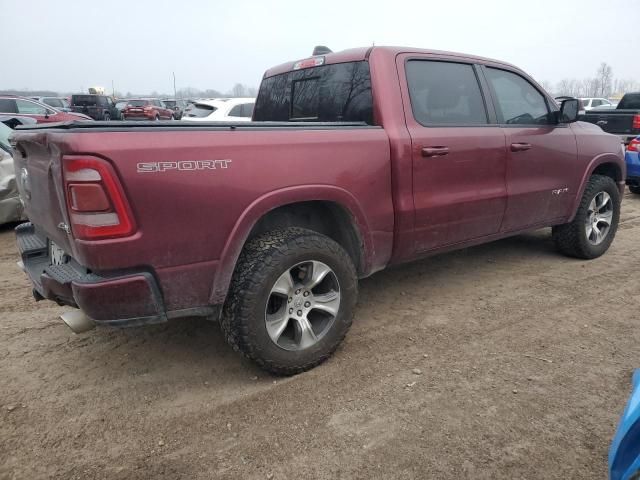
x,y
624,454
632,159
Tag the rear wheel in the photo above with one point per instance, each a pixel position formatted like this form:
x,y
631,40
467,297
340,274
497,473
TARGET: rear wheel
x,y
634,189
157,118
594,227
291,300
106,117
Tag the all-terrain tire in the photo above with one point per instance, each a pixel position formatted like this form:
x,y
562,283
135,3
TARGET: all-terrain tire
x,y
263,260
634,189
571,238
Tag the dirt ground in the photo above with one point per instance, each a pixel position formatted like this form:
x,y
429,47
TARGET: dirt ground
x,y
524,361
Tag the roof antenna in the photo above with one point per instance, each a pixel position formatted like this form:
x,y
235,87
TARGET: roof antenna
x,y
321,50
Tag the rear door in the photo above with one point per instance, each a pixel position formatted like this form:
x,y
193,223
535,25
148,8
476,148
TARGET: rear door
x,y
458,153
542,154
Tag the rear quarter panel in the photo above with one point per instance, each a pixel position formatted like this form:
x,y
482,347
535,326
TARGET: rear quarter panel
x,y
204,216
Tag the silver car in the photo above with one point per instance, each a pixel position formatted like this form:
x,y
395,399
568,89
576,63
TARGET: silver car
x,y
11,209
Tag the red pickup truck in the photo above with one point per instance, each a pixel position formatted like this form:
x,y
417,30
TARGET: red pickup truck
x,y
355,161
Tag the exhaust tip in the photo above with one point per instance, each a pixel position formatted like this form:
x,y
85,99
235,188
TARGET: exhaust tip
x,y
77,321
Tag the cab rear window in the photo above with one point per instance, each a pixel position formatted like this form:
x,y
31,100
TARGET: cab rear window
x,y
329,93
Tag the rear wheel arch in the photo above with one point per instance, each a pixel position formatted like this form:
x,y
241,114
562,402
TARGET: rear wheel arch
x,y
345,223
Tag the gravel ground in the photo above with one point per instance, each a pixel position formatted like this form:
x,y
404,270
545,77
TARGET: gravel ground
x,y
500,361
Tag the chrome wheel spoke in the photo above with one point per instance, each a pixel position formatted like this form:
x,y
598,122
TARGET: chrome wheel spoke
x,y
284,285
327,302
606,217
276,324
318,273
307,335
602,200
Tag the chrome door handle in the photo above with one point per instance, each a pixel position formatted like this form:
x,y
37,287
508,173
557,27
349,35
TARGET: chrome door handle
x,y
520,147
435,151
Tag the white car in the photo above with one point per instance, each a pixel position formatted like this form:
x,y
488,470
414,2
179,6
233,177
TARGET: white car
x,y
220,110
591,103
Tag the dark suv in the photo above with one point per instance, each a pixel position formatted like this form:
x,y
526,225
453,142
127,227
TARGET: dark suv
x,y
98,107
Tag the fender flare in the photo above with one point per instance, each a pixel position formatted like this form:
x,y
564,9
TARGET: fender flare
x,y
279,198
595,163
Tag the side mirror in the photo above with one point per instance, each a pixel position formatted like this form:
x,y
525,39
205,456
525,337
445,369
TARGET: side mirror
x,y
569,111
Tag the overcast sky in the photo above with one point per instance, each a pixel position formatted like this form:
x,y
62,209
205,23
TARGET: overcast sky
x,y
66,45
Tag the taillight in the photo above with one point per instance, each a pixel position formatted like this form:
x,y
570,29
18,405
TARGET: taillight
x,y
96,203
636,121
634,145
148,108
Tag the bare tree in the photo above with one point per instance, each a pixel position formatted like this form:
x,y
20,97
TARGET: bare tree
x,y
604,78
239,90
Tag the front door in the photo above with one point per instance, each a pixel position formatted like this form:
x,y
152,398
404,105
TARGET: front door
x,y
541,177
459,157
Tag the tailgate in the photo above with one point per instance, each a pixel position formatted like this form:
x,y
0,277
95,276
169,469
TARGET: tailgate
x,y
618,123
39,177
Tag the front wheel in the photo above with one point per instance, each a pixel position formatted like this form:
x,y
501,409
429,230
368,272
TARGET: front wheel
x,y
106,117
291,300
594,227
634,189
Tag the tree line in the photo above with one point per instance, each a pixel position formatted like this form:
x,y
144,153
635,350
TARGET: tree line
x,y
238,90
603,84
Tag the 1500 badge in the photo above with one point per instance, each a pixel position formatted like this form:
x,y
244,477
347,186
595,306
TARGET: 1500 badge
x,y
184,166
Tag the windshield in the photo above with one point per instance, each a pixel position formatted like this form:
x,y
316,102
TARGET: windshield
x,y
630,101
329,93
170,103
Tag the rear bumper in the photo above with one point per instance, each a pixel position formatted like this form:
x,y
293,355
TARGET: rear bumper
x,y
138,116
129,298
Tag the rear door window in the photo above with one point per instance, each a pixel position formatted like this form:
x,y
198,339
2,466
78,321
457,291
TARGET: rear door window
x,y
445,93
328,93
517,101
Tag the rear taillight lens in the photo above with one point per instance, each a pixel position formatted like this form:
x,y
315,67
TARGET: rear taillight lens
x,y
634,146
636,121
148,108
96,203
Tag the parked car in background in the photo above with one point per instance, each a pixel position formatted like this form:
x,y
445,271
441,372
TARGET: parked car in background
x,y
177,105
624,120
147,109
591,103
12,121
121,104
624,453
59,103
632,159
27,107
355,161
98,107
11,209
220,110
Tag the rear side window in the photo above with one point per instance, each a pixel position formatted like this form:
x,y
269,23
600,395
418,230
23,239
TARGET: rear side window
x,y
445,93
630,101
8,105
330,93
199,110
53,102
242,110
518,102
